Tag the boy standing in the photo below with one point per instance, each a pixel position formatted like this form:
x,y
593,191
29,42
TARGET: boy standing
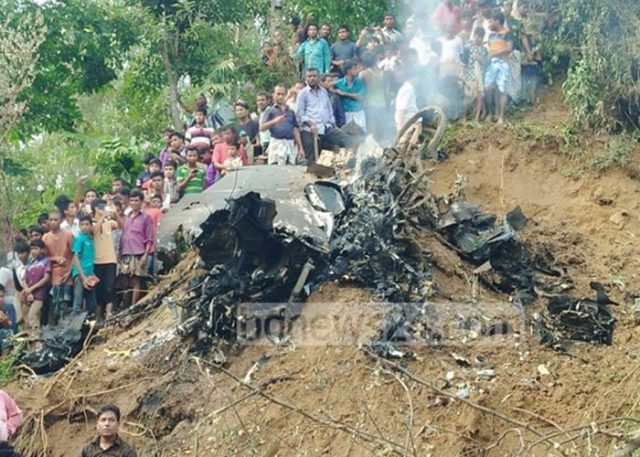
x,y
199,135
37,276
156,186
498,74
83,269
18,271
170,190
191,174
476,58
105,261
59,246
69,211
351,90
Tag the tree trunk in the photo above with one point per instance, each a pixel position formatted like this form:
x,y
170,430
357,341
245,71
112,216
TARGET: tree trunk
x,y
172,78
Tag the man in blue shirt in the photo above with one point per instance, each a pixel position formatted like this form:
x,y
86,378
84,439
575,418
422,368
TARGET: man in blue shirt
x,y
351,90
285,144
342,50
314,51
318,124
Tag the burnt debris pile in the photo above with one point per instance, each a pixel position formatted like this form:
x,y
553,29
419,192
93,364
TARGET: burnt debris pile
x,y
58,345
280,233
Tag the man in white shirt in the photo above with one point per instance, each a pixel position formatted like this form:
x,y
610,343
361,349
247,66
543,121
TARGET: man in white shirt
x,y
406,100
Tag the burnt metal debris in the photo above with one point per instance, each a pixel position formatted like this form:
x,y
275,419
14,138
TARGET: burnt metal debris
x,y
275,234
58,345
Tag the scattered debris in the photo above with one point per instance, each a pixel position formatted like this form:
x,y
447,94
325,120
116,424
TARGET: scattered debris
x,y
57,345
486,375
619,219
543,370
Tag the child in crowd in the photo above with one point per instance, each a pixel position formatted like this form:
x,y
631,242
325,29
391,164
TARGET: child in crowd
x,y
170,189
43,221
145,174
221,153
36,232
6,325
89,196
156,186
154,210
155,166
84,280
19,271
233,161
59,246
476,58
69,212
37,277
191,175
328,82
450,57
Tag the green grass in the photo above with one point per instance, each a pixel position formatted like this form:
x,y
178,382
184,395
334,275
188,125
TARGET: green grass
x,y
7,371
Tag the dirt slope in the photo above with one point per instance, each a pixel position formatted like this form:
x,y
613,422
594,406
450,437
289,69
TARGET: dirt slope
x,y
320,394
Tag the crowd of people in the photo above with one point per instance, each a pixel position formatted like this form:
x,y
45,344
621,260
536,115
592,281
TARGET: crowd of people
x,y
95,251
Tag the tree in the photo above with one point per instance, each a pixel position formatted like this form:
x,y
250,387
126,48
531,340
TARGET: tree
x,y
191,36
20,39
85,44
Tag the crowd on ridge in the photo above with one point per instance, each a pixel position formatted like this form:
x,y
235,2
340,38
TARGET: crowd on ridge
x,y
95,252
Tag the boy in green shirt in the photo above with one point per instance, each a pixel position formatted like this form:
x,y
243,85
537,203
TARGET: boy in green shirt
x,y
191,174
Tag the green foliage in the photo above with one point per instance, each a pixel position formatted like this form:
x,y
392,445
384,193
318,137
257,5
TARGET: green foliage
x,y
86,42
598,44
7,372
114,159
357,14
619,153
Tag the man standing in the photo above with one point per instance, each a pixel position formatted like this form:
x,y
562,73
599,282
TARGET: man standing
x,y
406,100
108,442
280,121
106,260
263,102
388,33
315,52
201,104
351,90
325,33
316,117
342,50
135,244
199,135
59,246
245,123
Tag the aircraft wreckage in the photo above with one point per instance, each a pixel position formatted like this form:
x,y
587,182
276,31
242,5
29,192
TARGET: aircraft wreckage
x,y
269,234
